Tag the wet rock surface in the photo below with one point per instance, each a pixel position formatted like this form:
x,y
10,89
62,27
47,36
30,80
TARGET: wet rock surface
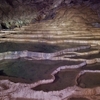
x,y
89,80
56,59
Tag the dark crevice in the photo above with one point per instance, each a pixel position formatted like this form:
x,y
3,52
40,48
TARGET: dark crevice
x,y
3,26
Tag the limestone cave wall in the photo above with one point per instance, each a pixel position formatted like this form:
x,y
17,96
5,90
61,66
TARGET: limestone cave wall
x,y
15,13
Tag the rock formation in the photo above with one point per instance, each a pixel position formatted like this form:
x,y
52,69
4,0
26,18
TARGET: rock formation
x,y
18,13
73,36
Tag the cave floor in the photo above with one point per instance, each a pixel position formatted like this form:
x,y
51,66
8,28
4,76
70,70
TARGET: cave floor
x,y
58,57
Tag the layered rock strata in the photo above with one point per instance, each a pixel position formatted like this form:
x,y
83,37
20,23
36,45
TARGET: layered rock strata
x,y
73,25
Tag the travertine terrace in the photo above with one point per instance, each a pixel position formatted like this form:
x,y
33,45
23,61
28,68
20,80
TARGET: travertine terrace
x,y
76,41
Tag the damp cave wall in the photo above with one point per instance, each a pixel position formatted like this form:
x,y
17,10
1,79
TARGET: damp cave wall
x,y
15,13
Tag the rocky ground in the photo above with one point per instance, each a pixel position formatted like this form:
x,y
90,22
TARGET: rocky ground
x,y
57,59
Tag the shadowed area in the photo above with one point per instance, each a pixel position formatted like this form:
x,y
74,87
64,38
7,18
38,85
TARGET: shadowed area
x,y
38,47
95,66
30,71
35,47
89,80
63,79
